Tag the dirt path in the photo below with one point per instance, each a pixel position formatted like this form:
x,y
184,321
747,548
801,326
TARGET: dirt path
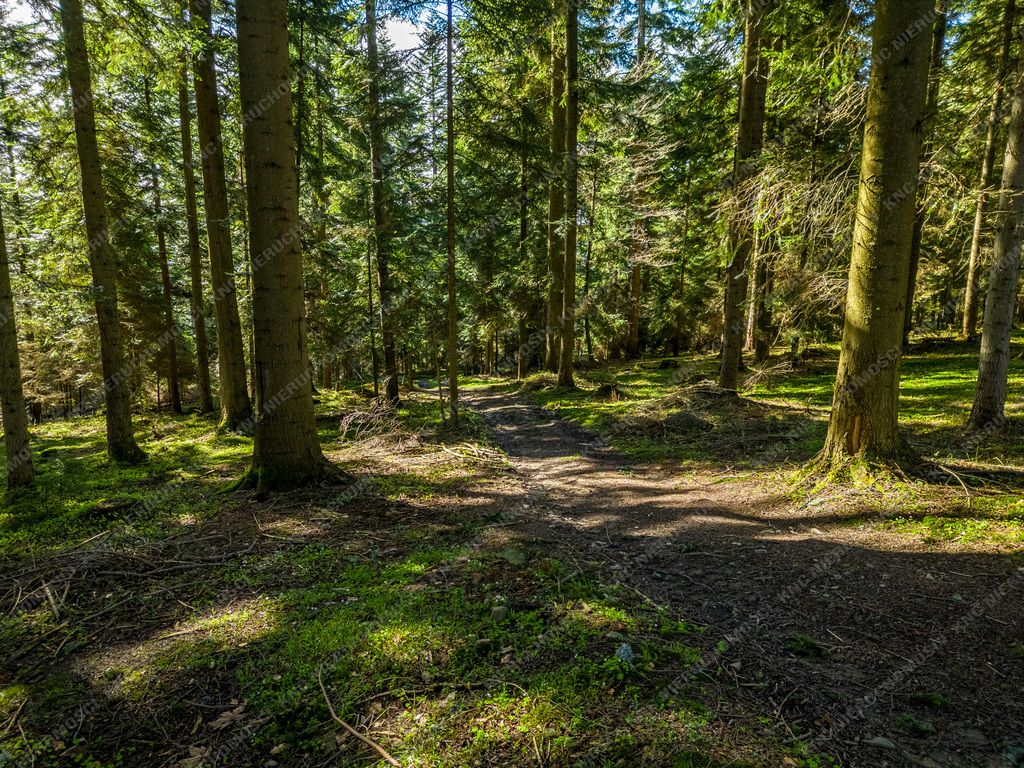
x,y
857,643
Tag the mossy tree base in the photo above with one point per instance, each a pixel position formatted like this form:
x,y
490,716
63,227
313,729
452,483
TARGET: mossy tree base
x,y
833,466
129,455
277,478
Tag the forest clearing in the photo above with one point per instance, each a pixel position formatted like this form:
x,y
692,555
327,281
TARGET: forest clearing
x,y
562,383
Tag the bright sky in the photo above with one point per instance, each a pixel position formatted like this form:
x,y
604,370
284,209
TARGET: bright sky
x,y
402,34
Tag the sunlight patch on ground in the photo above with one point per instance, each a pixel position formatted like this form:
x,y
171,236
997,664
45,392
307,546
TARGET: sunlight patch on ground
x,y
135,667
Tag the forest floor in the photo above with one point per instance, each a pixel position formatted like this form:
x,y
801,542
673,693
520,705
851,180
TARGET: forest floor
x,y
603,577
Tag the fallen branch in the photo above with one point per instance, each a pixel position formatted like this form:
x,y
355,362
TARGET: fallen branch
x,y
367,741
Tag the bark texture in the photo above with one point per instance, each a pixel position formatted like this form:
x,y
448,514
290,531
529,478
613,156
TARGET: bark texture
x,y
19,457
286,451
572,124
235,405
749,142
934,85
989,405
863,423
121,444
382,234
453,306
988,164
195,262
556,203
170,329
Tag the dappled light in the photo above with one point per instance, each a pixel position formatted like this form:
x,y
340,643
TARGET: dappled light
x,y
511,385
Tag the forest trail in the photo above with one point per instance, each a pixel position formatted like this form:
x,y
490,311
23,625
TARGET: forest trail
x,y
858,643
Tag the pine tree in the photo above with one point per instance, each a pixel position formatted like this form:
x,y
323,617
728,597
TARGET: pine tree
x,y
235,405
12,398
286,451
749,142
988,410
121,445
865,407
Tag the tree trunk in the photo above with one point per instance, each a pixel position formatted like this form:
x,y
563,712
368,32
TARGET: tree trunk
x,y
522,361
749,141
865,407
635,289
640,220
194,257
453,306
759,315
372,320
556,202
19,457
165,280
169,334
990,394
572,123
235,405
934,84
121,444
382,235
985,188
588,269
286,451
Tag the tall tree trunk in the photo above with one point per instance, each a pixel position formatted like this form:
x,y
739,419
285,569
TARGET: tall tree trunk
x,y
121,444
556,201
985,188
19,457
170,328
235,405
453,305
286,450
635,289
762,327
865,407
749,141
640,219
372,321
572,124
522,361
934,84
588,269
300,102
990,393
382,234
195,261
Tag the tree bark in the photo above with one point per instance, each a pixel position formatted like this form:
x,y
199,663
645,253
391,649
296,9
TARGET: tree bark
x,y
381,229
749,142
556,202
235,405
588,269
19,457
934,84
985,188
286,450
988,411
572,122
194,258
640,221
170,329
121,445
863,423
453,306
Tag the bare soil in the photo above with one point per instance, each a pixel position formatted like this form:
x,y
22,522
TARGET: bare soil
x,y
866,645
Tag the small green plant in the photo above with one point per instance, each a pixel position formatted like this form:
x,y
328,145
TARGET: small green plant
x,y
911,722
807,646
932,700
